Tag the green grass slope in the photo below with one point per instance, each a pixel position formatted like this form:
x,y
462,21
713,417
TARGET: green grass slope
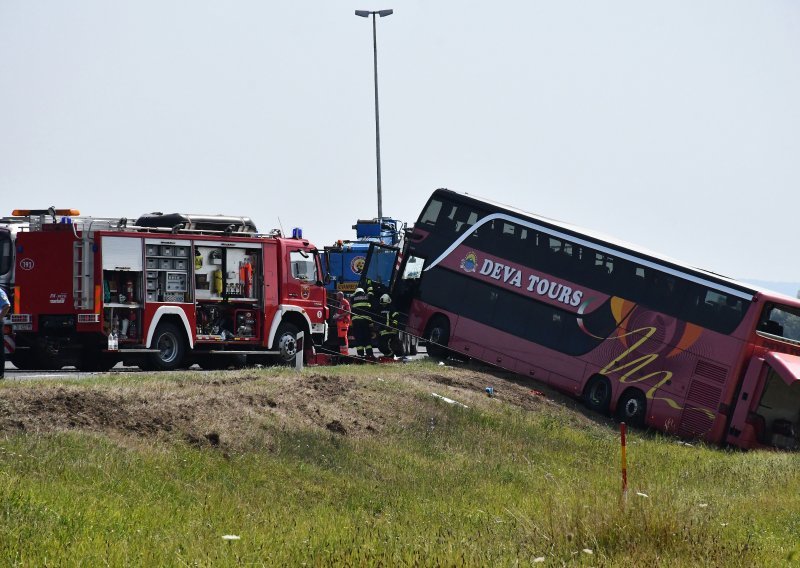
x,y
362,466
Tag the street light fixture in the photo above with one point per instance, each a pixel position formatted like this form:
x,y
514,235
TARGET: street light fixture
x,y
382,14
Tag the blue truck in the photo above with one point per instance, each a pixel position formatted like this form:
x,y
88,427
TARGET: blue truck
x,y
344,261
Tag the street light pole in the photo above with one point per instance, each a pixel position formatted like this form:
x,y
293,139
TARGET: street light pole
x,y
382,14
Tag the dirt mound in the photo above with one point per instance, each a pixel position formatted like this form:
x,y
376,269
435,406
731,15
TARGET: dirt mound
x,y
232,409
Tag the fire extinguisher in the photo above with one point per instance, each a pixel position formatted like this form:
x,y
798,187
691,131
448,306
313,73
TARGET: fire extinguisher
x,y
218,282
248,279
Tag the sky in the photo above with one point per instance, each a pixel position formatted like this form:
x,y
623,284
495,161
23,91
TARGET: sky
x,y
674,125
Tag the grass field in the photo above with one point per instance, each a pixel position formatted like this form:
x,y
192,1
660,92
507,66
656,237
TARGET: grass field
x,y
361,466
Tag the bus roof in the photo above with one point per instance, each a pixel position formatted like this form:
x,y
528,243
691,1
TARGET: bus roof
x,y
623,248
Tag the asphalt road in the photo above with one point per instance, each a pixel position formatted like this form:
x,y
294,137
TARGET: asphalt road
x,y
14,374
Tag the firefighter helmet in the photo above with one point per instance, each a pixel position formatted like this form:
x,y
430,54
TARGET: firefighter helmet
x,y
358,291
386,300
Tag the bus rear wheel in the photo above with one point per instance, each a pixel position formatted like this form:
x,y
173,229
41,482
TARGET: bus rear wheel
x,y
632,408
597,395
438,337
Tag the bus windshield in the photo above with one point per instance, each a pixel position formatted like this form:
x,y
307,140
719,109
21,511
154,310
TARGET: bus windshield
x,y
380,265
782,321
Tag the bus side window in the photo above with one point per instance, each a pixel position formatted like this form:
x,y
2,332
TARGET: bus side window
x,y
464,218
542,253
447,223
630,286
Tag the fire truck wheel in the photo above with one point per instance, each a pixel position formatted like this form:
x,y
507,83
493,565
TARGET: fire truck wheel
x,y
597,394
438,337
632,408
286,343
169,341
95,362
222,362
25,361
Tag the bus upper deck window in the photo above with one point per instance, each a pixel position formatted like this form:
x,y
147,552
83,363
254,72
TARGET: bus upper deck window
x,y
431,214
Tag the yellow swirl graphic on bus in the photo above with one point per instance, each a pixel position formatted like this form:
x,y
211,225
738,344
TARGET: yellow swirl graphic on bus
x,y
622,309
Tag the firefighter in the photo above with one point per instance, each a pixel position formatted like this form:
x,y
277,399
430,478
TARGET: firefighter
x,y
5,305
362,318
390,334
341,319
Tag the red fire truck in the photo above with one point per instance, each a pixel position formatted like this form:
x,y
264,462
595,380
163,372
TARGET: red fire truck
x,y
164,292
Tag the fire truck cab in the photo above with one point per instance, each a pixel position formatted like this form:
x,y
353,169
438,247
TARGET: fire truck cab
x,y
164,292
9,227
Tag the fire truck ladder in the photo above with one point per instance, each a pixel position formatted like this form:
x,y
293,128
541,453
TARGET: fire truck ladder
x,y
83,259
83,273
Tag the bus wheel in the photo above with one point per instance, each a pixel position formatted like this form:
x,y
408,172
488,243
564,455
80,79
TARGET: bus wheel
x,y
597,394
632,408
286,343
168,339
438,337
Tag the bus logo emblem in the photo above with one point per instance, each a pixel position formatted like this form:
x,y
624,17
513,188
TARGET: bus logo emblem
x,y
26,264
470,262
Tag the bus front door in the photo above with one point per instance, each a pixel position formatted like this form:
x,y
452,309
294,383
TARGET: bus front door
x,y
379,268
767,412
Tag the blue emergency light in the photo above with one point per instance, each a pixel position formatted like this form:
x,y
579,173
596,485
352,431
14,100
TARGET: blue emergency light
x,y
297,233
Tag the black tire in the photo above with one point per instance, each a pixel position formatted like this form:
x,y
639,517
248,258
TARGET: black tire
x,y
438,336
171,344
25,361
95,362
597,395
36,359
286,342
632,408
222,362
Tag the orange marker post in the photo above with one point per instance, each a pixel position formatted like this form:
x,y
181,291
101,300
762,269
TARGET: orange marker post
x,y
622,430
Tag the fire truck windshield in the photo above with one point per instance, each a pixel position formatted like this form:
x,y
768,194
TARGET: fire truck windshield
x,y
5,253
304,265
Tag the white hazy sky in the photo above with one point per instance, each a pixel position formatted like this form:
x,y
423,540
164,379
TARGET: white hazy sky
x,y
673,124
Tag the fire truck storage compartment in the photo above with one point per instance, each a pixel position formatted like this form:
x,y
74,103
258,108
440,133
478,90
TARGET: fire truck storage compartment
x,y
122,285
226,272
228,291
167,270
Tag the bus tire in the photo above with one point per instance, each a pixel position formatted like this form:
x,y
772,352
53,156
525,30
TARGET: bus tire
x,y
171,345
286,342
597,394
632,408
438,336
